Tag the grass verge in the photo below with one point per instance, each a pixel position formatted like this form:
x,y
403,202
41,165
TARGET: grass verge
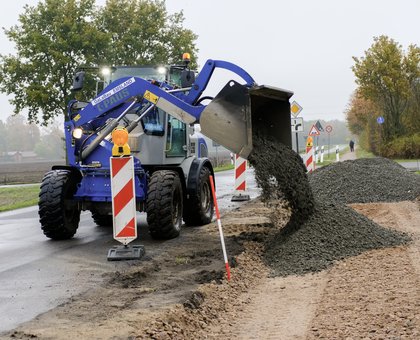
x,y
360,153
224,167
18,197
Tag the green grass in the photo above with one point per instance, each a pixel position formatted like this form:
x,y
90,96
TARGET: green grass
x,y
18,197
224,167
405,160
360,153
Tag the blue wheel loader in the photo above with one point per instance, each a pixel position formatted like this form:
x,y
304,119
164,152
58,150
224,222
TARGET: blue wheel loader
x,y
158,106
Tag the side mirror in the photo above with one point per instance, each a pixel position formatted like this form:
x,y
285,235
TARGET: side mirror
x,y
78,81
187,78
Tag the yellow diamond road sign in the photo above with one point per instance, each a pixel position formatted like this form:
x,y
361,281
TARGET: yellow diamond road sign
x,y
295,109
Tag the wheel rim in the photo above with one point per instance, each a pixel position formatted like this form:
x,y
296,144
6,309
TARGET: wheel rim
x,y
205,197
177,210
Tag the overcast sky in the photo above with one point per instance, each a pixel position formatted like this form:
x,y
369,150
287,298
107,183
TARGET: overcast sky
x,y
305,46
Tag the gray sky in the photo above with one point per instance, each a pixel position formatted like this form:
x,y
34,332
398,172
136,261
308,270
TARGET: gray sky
x,y
302,45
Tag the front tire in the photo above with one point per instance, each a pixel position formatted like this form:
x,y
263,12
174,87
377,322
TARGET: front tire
x,y
199,208
58,215
164,205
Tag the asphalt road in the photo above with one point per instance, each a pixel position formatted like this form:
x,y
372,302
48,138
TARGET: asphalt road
x,y
38,274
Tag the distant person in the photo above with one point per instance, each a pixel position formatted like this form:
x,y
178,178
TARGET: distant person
x,y
351,144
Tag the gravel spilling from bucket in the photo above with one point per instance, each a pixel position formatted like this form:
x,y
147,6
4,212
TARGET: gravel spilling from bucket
x,y
281,174
322,229
365,180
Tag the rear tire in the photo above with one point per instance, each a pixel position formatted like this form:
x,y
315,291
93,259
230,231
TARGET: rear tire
x,y
102,220
164,205
59,221
199,208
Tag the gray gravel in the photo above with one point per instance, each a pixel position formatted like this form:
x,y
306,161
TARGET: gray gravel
x,y
365,180
322,229
332,233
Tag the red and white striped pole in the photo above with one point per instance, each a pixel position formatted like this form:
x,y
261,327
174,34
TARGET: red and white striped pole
x,y
219,224
240,180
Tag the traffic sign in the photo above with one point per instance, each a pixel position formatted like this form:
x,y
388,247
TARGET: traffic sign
x,y
319,126
380,120
328,128
297,124
313,131
295,109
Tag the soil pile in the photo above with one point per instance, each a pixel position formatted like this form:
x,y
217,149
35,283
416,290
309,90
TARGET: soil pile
x,y
321,228
365,180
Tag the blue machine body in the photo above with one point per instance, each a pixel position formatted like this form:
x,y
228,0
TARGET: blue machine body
x,y
135,95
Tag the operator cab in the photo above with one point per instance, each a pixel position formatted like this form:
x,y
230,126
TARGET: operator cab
x,y
158,130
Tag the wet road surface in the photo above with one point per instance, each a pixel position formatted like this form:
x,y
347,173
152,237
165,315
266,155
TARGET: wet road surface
x,y
38,274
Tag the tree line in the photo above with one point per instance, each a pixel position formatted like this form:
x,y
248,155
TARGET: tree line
x,y
28,142
384,110
56,37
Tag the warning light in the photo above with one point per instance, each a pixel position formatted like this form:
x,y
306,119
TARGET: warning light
x,y
186,57
120,139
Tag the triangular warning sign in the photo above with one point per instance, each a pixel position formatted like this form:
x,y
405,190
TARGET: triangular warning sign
x,y
313,131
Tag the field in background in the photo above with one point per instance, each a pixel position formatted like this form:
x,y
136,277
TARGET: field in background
x,y
19,173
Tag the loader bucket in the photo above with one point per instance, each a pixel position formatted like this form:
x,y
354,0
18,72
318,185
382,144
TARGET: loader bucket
x,y
238,112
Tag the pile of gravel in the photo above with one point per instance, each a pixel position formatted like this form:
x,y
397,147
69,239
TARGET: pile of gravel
x,y
322,229
365,180
333,232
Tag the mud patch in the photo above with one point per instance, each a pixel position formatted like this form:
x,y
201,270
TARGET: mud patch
x,y
206,276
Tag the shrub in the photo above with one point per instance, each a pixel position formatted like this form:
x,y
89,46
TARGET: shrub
x,y
403,147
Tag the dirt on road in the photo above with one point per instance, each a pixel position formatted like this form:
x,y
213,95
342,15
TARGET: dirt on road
x,y
351,272
183,294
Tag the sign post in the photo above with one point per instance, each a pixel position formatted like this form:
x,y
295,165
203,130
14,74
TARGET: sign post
x,y
297,123
380,120
328,128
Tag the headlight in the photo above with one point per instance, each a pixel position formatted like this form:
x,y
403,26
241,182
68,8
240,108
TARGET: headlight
x,y
77,133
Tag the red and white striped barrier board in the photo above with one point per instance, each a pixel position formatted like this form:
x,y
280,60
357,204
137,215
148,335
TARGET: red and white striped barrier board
x,y
240,180
240,173
123,199
309,159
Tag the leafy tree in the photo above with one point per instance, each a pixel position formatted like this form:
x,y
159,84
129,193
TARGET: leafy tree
x,y
384,75
52,40
359,112
412,119
56,37
142,32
